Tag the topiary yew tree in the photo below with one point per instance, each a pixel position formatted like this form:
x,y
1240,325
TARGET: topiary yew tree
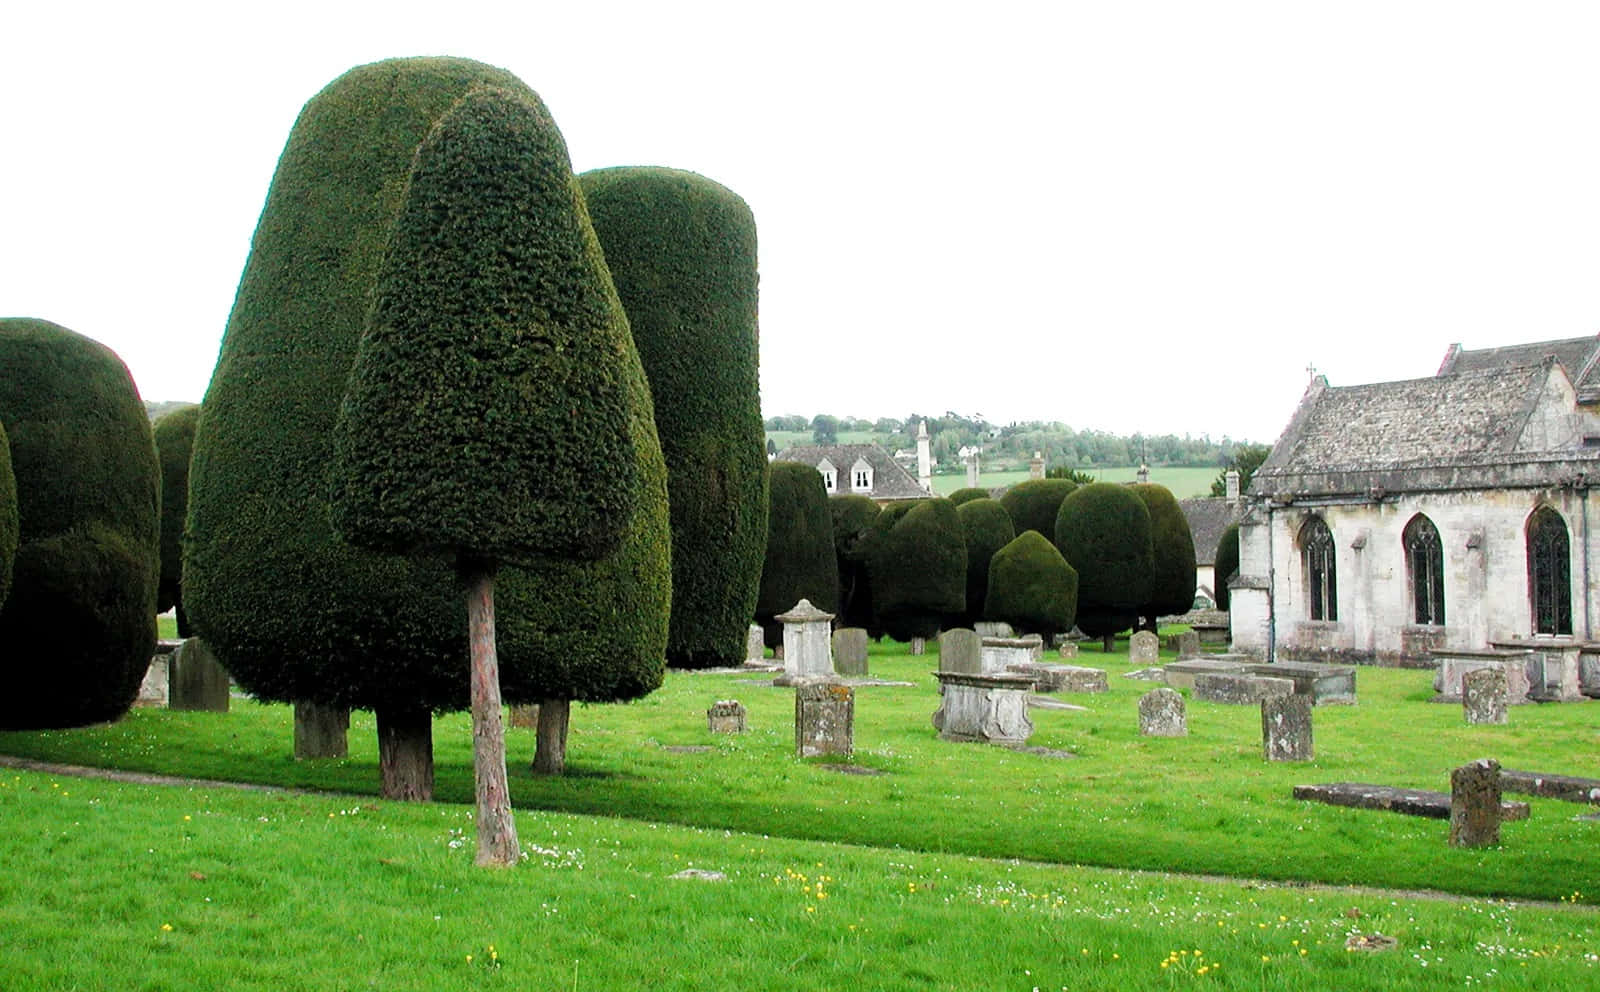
x,y
8,515
174,437
987,528
1225,565
294,612
682,252
78,624
965,495
853,516
1031,587
799,562
1172,553
1033,504
917,559
1103,531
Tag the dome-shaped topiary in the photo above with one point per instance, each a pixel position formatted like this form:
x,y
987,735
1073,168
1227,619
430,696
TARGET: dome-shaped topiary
x,y
966,495
8,515
682,252
1226,564
1172,578
1031,587
78,625
853,516
917,559
1103,531
1033,504
987,528
174,436
799,562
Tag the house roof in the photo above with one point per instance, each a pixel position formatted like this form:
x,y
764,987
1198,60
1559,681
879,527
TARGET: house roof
x,y
1208,517
1578,356
889,480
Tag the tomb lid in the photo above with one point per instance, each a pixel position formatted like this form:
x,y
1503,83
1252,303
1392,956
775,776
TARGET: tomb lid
x,y
804,612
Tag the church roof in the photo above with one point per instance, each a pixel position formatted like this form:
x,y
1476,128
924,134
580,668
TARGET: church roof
x,y
889,479
1578,356
1208,517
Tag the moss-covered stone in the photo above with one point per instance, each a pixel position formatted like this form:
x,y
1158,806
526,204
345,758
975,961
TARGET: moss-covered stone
x,y
1172,577
174,436
987,528
799,562
917,558
1033,504
1103,531
1031,587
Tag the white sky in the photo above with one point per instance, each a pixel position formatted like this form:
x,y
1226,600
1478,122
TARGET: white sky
x,y
1121,215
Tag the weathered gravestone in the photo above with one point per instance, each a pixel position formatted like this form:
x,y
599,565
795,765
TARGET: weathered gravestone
x,y
994,628
1483,696
157,678
321,731
960,650
1239,688
1144,648
1188,644
807,644
1322,682
1000,653
1062,678
197,681
1453,665
1161,714
1475,804
755,644
1067,649
919,645
1181,674
824,719
983,707
1035,644
726,716
1286,728
850,651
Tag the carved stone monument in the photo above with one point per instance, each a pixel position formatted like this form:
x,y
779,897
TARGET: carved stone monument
x,y
1286,728
960,650
807,644
726,716
1144,648
1161,714
755,644
1483,695
1475,804
850,651
197,680
1000,653
824,719
983,707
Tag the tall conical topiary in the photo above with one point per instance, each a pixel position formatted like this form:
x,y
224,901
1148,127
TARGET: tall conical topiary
x,y
918,565
174,436
1172,553
1031,587
853,516
799,562
1103,531
1225,565
987,528
8,515
1033,504
263,570
78,624
682,251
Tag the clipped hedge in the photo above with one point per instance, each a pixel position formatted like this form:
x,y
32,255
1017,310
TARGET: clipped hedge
x,y
1225,565
78,625
987,528
799,561
1033,504
174,437
967,495
682,251
853,516
917,559
8,515
1172,577
1103,531
1031,587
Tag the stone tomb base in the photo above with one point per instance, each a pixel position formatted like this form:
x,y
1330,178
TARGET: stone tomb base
x,y
983,707
1181,674
1452,666
1412,802
1239,688
1063,678
1323,683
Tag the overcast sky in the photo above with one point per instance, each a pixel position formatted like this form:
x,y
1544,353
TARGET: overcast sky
x,y
1137,217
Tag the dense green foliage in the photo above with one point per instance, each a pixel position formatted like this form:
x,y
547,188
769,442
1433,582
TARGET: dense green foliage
x,y
987,528
174,437
682,252
1033,505
1172,583
1070,474
1245,459
77,628
292,611
8,514
1031,587
970,493
799,562
1225,565
1103,531
853,516
917,559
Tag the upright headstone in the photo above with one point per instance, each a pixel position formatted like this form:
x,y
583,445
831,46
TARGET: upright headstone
x,y
526,717
1483,695
157,679
320,731
1475,804
1286,728
755,644
1161,714
807,644
850,651
1144,648
1188,644
919,645
726,716
197,680
824,719
960,650
1068,649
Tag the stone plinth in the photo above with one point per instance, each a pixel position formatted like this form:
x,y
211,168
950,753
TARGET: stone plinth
x,y
1067,649
197,680
1144,648
1239,688
1286,728
1475,804
1181,674
960,650
1161,714
157,679
1000,653
1063,678
755,643
983,707
1325,684
850,651
1551,666
824,719
1037,645
1483,696
807,644
726,716
1452,665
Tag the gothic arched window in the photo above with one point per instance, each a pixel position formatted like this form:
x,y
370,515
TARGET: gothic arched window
x,y
1425,570
1317,553
1549,582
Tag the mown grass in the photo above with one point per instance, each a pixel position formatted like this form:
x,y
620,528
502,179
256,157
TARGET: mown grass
x,y
1207,803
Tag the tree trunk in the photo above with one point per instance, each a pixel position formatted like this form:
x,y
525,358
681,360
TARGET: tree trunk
x,y
497,829
1108,643
405,753
320,731
550,756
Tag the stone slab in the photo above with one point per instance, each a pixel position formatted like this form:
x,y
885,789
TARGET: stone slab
x,y
1325,684
1412,802
1451,666
1063,678
1566,787
1181,674
1239,688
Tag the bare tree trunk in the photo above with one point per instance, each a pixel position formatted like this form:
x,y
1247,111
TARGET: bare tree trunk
x,y
497,829
550,756
1108,643
320,731
405,753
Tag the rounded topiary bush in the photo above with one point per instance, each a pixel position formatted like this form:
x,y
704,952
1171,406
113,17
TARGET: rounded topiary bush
x,y
853,516
1225,565
174,436
682,252
987,528
1033,504
1103,531
1172,577
8,515
79,622
1031,587
799,561
968,494
917,558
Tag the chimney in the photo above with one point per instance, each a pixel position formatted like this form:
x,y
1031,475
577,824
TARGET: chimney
x,y
1036,466
1231,481
924,458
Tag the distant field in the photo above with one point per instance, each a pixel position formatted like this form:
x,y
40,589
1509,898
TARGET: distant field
x,y
1184,482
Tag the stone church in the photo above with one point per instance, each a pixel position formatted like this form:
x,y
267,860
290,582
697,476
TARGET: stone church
x,y
1445,513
